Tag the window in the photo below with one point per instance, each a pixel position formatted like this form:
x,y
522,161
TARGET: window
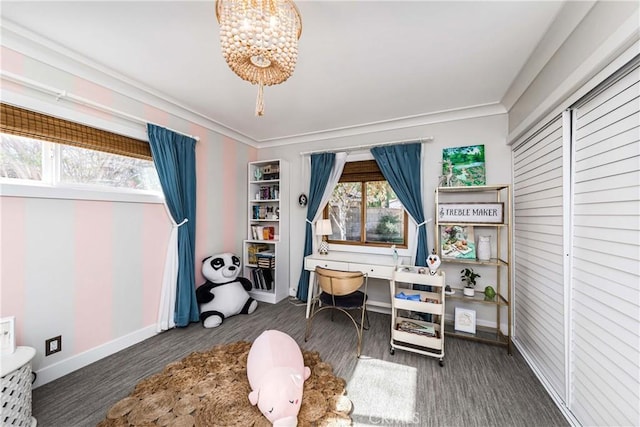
x,y
22,160
39,149
364,209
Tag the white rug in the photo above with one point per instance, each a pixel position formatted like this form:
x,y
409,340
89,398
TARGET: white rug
x,y
382,393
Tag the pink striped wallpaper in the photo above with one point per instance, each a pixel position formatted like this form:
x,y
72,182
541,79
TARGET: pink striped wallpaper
x,y
12,61
12,261
96,93
93,263
229,193
95,277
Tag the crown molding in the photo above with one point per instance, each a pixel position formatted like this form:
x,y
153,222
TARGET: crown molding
x,y
569,17
43,50
465,113
622,46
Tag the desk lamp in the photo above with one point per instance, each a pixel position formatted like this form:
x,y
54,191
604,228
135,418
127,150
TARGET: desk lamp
x,y
323,228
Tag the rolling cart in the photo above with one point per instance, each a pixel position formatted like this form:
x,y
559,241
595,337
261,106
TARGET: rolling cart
x,y
409,330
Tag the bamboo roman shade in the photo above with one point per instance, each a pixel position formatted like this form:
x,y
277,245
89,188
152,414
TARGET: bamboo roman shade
x,y
22,122
366,170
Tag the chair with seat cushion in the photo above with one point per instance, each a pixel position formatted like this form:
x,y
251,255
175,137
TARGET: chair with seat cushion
x,y
340,290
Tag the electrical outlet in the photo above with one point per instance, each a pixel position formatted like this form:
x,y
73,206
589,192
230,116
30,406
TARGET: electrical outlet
x,y
53,345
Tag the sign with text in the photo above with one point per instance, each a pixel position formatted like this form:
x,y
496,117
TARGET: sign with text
x,y
491,213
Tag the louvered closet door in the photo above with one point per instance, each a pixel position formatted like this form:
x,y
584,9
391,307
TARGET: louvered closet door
x,y
538,252
605,315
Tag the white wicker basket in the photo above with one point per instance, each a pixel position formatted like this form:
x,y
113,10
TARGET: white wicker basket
x,y
15,408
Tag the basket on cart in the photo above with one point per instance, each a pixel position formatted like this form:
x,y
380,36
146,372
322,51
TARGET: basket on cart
x,y
417,316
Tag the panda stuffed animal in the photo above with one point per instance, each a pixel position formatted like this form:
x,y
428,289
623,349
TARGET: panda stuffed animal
x,y
224,294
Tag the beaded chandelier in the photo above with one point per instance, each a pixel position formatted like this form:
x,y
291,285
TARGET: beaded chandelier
x,y
259,40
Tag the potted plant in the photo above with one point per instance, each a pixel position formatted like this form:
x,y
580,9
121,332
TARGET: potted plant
x,y
469,277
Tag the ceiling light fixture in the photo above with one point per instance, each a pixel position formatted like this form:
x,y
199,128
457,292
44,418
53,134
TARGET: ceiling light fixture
x,y
259,40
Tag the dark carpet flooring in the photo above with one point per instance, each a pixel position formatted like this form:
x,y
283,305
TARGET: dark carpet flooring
x,y
479,385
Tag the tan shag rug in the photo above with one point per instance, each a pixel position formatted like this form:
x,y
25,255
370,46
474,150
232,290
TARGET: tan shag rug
x,y
211,389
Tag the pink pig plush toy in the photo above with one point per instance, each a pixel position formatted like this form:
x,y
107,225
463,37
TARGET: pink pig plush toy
x,y
276,372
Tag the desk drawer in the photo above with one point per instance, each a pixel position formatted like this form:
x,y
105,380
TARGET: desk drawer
x,y
378,271
311,264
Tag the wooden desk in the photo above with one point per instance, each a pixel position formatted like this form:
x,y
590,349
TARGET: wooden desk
x,y
375,266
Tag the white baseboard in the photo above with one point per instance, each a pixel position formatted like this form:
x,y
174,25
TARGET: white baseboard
x,y
64,367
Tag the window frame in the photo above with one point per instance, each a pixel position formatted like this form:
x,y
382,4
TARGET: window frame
x,y
50,186
363,174
102,194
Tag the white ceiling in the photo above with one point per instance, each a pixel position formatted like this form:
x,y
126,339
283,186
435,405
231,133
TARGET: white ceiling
x,y
361,63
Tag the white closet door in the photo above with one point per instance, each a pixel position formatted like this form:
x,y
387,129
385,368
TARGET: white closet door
x,y
605,311
539,306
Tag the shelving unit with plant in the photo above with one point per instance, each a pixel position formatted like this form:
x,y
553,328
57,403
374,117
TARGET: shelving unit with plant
x,y
469,277
489,280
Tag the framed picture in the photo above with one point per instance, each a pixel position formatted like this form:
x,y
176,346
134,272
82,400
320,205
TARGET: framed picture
x,y
7,334
465,320
457,242
478,212
463,166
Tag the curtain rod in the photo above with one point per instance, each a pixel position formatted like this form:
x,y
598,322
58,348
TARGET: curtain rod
x,y
62,94
358,147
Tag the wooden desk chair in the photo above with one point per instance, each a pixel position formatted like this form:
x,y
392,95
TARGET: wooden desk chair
x,y
339,290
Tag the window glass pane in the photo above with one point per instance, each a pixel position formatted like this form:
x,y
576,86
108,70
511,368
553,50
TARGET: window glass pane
x,y
344,211
20,158
82,166
384,214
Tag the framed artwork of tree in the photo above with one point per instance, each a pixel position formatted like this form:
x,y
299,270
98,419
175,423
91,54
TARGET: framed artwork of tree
x,y
463,166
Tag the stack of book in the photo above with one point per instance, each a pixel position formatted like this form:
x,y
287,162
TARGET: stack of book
x,y
266,259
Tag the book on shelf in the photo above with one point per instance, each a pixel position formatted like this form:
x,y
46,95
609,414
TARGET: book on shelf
x,y
259,279
416,328
259,232
269,192
268,278
268,263
262,279
252,250
254,279
266,259
268,233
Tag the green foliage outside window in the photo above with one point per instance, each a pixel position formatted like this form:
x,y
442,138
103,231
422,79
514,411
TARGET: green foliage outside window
x,y
389,226
383,214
